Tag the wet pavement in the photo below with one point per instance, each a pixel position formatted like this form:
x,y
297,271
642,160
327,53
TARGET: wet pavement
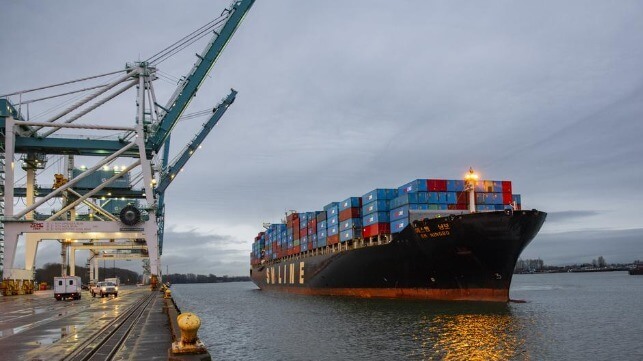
x,y
37,327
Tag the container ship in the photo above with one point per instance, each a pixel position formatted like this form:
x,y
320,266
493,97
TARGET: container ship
x,y
432,239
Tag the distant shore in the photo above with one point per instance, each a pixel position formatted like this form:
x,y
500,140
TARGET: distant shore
x,y
566,269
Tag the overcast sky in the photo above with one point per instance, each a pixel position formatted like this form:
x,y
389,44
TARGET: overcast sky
x,y
339,97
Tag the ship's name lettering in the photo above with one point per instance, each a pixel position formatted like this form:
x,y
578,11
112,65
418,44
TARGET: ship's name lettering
x,y
287,274
439,234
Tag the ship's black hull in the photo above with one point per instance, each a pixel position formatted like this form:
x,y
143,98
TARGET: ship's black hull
x,y
464,257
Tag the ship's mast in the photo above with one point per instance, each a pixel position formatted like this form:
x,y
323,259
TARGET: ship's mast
x,y
470,182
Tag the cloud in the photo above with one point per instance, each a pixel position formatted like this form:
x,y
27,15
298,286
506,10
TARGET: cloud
x,y
565,216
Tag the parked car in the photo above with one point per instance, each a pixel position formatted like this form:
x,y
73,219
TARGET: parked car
x,y
104,289
84,286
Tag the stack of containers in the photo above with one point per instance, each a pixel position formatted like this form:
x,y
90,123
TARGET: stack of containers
x,y
312,230
375,212
383,211
493,195
303,233
350,219
332,223
321,229
293,232
410,196
257,246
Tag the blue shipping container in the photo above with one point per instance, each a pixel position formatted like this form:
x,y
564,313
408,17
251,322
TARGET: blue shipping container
x,y
350,203
351,223
349,234
379,194
418,185
455,185
321,234
376,206
332,221
399,225
378,217
402,212
330,206
409,198
333,230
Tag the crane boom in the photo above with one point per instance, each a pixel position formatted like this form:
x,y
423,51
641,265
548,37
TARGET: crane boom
x,y
173,169
190,85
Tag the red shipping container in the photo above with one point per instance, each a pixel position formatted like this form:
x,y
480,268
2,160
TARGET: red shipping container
x,y
349,213
375,229
334,239
295,223
436,185
312,223
462,197
296,249
506,198
310,246
303,232
296,234
506,186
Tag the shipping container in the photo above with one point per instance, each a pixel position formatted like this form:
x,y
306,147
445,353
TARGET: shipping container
x,y
418,185
379,194
332,209
350,223
506,187
333,230
506,198
377,217
321,216
402,212
352,233
376,229
353,212
436,185
455,185
410,198
376,206
332,221
334,239
399,225
351,202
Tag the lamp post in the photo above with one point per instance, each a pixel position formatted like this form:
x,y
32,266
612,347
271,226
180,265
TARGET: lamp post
x,y
470,185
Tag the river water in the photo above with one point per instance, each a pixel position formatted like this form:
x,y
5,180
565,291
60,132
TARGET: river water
x,y
565,316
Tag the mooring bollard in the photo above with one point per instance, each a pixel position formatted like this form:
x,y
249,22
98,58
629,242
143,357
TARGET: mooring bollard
x,y
189,342
168,293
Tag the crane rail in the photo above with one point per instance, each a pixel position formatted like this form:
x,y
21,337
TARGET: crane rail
x,y
106,342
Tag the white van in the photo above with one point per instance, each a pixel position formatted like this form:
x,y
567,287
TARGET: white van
x,y
67,287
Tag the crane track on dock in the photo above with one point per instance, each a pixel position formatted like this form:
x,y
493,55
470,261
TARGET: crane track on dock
x,y
106,342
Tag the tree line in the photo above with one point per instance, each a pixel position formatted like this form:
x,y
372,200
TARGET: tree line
x,y
194,278
51,270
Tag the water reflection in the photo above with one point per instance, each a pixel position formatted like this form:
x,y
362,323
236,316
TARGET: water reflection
x,y
469,336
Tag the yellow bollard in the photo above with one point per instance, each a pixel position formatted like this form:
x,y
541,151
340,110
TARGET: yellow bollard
x,y
189,324
168,293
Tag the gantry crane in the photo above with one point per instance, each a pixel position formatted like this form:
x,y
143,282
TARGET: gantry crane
x,y
140,145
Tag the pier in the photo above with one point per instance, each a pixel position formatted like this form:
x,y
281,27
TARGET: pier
x,y
137,325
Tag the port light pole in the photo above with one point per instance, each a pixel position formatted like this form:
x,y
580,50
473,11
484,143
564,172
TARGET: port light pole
x,y
470,185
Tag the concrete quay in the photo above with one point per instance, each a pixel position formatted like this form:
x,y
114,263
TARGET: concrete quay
x,y
137,325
